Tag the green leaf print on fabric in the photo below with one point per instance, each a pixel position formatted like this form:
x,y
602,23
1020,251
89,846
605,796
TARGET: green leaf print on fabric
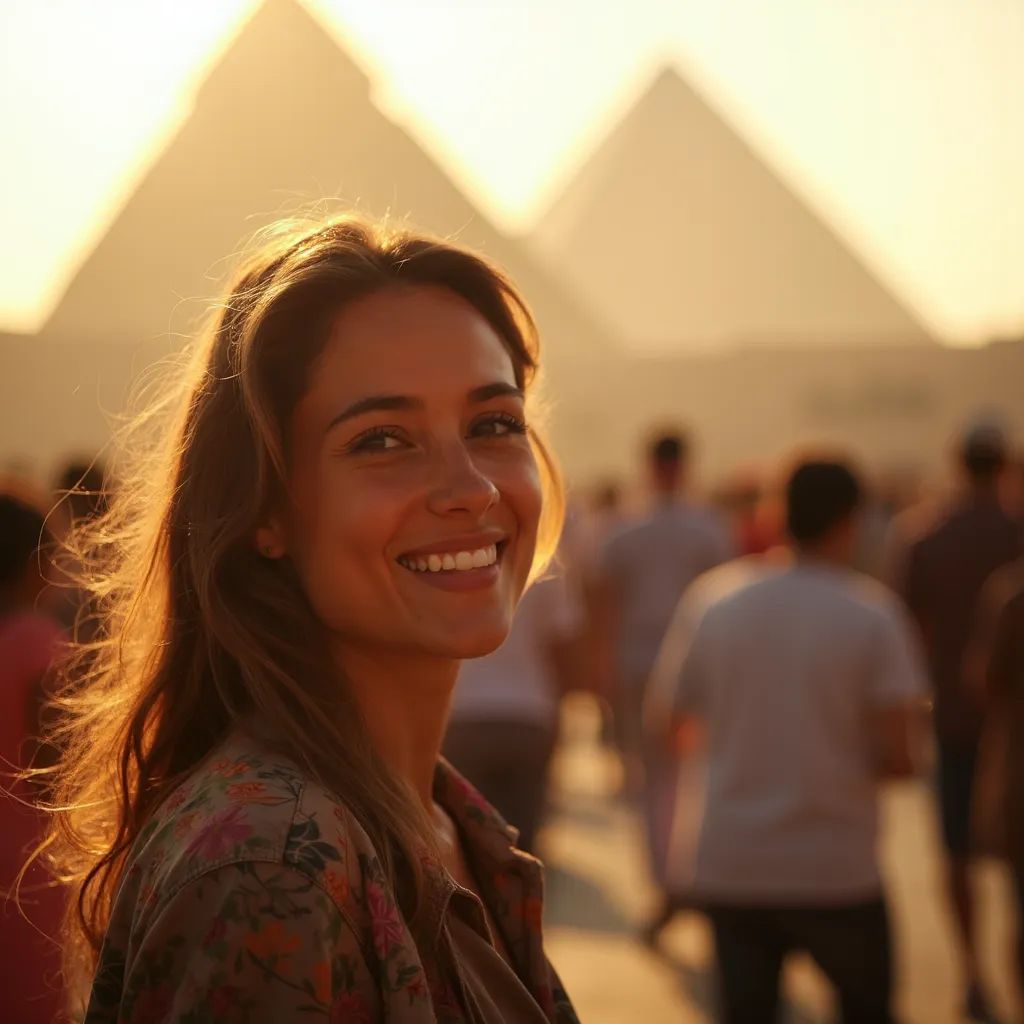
x,y
305,849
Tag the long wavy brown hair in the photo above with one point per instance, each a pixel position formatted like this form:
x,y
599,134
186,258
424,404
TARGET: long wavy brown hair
x,y
195,630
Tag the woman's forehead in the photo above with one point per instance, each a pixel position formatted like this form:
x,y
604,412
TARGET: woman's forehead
x,y
407,340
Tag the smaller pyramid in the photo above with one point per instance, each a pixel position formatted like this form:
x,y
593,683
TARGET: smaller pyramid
x,y
682,238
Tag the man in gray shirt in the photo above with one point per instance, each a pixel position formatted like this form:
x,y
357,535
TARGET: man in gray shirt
x,y
806,679
642,571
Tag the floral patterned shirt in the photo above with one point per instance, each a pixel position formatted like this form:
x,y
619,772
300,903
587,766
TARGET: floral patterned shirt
x,y
254,896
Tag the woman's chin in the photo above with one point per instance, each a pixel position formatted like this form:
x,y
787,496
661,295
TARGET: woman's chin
x,y
475,644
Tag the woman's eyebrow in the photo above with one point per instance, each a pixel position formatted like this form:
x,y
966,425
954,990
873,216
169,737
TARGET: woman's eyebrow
x,y
387,403
374,403
498,389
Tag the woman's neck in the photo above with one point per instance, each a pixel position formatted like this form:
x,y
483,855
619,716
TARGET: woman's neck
x,y
404,701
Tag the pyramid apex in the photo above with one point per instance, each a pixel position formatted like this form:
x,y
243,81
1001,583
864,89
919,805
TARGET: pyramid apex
x,y
283,36
666,92
668,74
667,79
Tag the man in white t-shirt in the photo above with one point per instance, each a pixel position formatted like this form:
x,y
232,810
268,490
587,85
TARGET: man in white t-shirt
x,y
504,716
807,682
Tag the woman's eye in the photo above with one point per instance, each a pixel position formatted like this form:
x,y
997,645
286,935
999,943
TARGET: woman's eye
x,y
499,426
380,439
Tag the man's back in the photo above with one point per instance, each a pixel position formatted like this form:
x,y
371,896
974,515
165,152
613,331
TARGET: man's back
x,y
786,666
649,564
945,570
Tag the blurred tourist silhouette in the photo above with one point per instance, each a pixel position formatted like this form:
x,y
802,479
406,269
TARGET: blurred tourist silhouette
x,y
1014,486
605,516
803,674
996,665
589,523
30,639
743,499
504,717
642,571
947,556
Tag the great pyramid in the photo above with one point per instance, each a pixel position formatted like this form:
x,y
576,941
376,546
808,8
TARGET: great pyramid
x,y
682,238
283,117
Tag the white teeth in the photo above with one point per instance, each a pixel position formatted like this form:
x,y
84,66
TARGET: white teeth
x,y
458,561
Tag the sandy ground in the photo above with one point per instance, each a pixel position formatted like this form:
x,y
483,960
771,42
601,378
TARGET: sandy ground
x,y
598,895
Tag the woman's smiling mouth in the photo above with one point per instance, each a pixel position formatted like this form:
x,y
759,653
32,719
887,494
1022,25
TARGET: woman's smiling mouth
x,y
451,561
462,563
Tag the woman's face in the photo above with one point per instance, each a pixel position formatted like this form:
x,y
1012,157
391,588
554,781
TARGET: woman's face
x,y
415,494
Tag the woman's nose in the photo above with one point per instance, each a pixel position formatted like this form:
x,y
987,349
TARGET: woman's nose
x,y
459,485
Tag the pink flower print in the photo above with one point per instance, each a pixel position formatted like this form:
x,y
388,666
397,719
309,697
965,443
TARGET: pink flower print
x,y
245,790
388,929
222,833
230,769
349,1008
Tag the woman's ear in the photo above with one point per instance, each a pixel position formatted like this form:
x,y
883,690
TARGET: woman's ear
x,y
269,539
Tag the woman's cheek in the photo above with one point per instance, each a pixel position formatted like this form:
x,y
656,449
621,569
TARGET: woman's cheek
x,y
522,486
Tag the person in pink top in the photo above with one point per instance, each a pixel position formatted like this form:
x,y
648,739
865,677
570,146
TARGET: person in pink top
x,y
29,642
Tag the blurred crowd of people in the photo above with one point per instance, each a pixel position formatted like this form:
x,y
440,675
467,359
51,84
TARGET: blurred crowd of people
x,y
764,658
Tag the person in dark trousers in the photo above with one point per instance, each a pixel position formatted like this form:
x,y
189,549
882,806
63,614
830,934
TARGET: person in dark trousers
x,y
943,572
806,682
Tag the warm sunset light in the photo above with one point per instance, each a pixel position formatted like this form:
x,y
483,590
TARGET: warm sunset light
x,y
908,142
512,510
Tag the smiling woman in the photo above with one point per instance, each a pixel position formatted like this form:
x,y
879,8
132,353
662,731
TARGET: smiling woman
x,y
253,813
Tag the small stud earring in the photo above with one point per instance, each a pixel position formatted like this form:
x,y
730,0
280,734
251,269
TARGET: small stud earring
x,y
268,550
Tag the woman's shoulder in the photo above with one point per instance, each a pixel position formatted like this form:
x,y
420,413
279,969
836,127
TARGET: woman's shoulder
x,y
247,803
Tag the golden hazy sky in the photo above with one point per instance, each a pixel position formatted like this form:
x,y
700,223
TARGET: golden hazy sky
x,y
900,120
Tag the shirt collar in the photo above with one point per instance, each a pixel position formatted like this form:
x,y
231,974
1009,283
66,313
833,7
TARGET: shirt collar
x,y
484,829
504,874
510,881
